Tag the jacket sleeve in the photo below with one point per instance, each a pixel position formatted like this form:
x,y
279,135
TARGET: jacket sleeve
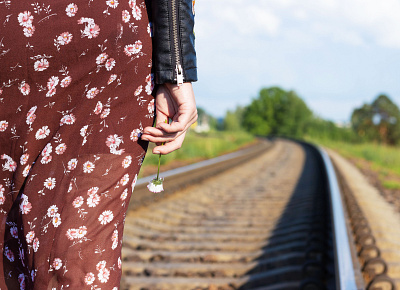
x,y
174,56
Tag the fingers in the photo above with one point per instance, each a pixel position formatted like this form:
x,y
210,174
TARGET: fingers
x,y
170,146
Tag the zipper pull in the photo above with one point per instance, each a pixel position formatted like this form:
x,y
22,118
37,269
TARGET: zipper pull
x,y
179,75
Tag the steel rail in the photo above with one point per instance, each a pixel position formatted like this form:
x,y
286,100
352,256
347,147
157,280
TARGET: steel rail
x,y
345,276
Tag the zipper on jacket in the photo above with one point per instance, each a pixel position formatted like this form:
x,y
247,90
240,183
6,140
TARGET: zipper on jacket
x,y
175,35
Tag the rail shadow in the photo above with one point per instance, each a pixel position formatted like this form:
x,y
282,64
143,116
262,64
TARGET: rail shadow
x,y
298,254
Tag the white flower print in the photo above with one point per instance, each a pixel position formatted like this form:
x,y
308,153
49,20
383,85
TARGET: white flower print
x,y
106,217
52,210
52,82
127,161
112,3
2,199
150,84
132,49
35,244
30,116
82,231
110,63
47,150
66,82
30,236
103,275
135,135
25,18
72,164
24,159
138,91
10,164
46,159
63,39
56,220
124,194
150,107
126,16
99,107
24,88
28,31
89,278
68,119
78,201
50,183
25,206
42,133
112,78
119,263
51,93
125,179
88,167
101,58
60,149
132,3
9,254
93,200
136,12
92,93
72,234
41,64
113,142
14,232
114,239
92,190
84,130
57,263
3,125
91,30
105,113
134,182
71,10
101,265
26,170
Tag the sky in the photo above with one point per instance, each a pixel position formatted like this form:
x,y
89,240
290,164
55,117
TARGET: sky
x,y
336,54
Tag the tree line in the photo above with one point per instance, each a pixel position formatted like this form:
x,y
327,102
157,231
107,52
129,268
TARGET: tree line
x,y
278,112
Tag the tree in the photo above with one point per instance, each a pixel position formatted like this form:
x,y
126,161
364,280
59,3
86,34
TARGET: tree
x,y
379,121
277,112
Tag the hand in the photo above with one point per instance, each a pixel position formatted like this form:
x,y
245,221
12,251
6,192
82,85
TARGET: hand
x,y
175,102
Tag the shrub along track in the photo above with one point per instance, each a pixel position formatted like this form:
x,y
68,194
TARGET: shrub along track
x,y
262,225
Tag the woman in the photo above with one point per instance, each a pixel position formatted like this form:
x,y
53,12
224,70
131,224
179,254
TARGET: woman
x,y
76,111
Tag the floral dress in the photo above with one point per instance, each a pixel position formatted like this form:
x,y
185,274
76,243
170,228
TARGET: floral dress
x,y
75,95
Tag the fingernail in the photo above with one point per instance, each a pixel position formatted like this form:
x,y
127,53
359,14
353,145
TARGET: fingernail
x,y
156,152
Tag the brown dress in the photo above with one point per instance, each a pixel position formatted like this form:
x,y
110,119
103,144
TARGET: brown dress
x,y
75,94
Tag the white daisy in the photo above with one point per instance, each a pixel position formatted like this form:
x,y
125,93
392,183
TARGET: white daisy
x,y
42,133
29,30
66,82
137,13
101,58
52,210
78,201
60,149
24,88
50,183
127,161
88,167
41,64
89,278
3,125
101,265
112,78
92,93
26,170
71,234
112,3
124,194
125,179
82,231
71,10
52,82
25,19
72,164
126,16
105,113
24,158
110,63
56,220
35,244
93,200
99,107
30,236
14,232
106,217
57,263
114,239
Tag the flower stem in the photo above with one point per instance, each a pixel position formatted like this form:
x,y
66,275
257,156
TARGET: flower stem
x,y
159,163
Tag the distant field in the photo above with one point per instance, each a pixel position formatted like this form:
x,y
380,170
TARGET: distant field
x,y
198,147
382,159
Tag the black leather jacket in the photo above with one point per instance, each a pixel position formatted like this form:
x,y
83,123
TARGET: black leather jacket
x,y
174,56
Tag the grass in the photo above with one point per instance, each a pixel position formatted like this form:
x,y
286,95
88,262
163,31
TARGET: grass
x,y
385,160
201,146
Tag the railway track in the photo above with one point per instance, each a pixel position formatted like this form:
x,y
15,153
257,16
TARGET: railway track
x,y
265,224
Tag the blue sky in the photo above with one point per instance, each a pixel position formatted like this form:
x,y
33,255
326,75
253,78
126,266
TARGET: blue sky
x,y
336,54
